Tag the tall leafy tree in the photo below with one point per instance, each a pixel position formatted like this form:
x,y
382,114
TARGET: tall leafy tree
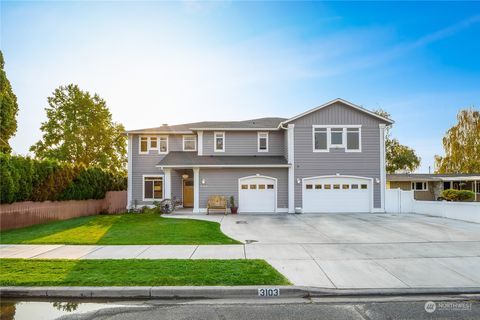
x,y
398,157
462,145
79,129
8,110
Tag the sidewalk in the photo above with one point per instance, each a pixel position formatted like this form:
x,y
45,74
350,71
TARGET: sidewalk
x,y
303,264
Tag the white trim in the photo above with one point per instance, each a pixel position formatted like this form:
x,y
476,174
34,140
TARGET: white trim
x,y
259,133
194,139
344,102
225,166
196,190
143,186
383,174
275,180
235,129
291,169
344,143
215,141
153,133
372,189
129,173
412,184
200,143
167,183
281,210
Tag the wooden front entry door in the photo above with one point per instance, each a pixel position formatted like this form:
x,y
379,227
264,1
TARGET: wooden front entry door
x,y
187,193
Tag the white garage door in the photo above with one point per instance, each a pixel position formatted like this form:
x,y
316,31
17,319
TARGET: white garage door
x,y
257,194
337,194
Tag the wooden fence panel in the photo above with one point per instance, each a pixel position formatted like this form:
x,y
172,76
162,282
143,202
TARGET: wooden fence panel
x,y
22,214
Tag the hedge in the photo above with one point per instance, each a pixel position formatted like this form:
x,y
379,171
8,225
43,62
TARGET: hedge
x,y
27,179
457,195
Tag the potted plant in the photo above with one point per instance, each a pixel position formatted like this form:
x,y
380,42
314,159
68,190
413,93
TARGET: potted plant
x,y
233,208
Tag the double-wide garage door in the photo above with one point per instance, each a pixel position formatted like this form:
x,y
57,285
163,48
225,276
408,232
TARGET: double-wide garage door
x,y
257,194
337,194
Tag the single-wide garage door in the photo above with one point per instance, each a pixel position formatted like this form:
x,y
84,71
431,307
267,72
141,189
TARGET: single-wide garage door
x,y
257,194
337,194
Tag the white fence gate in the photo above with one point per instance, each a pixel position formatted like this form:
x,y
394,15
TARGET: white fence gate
x,y
399,201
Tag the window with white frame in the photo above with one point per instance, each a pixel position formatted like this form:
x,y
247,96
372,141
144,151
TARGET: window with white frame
x,y
219,141
353,139
327,137
262,141
420,186
320,139
152,188
155,143
189,143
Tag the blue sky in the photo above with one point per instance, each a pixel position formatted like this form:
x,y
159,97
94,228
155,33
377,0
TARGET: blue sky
x,y
174,62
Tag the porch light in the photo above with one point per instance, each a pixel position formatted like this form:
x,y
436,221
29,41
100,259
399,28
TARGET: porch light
x,y
377,180
185,176
203,181
299,181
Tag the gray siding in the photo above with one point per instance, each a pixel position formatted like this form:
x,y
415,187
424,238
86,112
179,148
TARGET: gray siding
x,y
224,182
244,143
142,164
365,163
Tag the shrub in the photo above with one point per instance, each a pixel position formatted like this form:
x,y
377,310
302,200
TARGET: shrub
x,y
457,195
26,179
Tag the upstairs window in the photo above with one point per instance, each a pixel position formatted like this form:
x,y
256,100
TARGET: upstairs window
x,y
320,139
189,143
353,139
262,141
327,137
219,141
336,137
153,143
419,186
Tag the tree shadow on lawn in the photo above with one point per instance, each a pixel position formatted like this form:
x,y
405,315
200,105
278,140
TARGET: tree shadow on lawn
x,y
120,229
138,272
82,230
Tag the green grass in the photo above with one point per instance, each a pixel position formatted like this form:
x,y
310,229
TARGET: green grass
x,y
147,228
27,272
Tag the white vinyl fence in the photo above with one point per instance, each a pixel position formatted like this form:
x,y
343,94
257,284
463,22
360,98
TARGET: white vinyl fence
x,y
399,201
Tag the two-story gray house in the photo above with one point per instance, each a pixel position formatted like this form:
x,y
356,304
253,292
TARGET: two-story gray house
x,y
328,159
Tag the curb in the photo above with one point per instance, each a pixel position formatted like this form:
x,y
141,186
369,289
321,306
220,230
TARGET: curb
x,y
240,292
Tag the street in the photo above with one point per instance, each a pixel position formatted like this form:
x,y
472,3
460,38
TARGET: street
x,y
365,308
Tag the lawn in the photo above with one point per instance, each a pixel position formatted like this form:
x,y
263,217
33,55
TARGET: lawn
x,y
147,228
25,272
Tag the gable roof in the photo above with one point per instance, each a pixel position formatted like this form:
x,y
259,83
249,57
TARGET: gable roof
x,y
349,104
270,123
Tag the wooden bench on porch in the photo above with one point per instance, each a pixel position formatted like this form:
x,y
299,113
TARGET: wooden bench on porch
x,y
217,203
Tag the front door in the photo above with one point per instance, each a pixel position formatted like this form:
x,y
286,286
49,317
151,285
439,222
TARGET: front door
x,y
188,193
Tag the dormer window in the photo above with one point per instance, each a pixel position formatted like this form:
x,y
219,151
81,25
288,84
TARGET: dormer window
x,y
189,143
262,142
219,141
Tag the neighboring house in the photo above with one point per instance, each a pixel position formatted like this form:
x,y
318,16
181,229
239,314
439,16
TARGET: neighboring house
x,y
429,187
328,159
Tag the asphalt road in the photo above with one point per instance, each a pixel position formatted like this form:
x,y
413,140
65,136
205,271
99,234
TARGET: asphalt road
x,y
324,308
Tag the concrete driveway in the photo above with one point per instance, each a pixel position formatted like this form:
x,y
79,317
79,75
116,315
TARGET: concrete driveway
x,y
354,251
361,250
